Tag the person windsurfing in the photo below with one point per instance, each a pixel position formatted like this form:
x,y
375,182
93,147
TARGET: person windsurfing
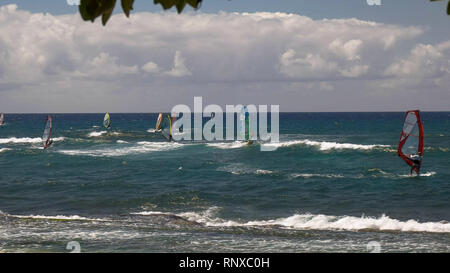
x,y
245,125
410,146
166,127
416,164
46,137
158,122
107,121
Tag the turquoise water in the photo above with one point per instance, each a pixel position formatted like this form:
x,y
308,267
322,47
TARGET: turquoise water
x,y
335,183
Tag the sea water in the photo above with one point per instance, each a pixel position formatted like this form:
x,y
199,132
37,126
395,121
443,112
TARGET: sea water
x,y
334,184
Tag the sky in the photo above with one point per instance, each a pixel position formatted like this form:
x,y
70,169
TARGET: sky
x,y
304,55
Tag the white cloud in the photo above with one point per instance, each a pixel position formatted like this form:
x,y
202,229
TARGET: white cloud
x,y
355,71
105,64
150,67
424,60
179,69
231,56
348,49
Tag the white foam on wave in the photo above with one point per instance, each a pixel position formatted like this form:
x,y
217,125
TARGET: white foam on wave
x,y
121,141
317,222
310,175
56,217
264,172
4,149
427,174
325,145
96,134
380,172
138,148
20,140
26,140
239,169
151,130
228,145
145,213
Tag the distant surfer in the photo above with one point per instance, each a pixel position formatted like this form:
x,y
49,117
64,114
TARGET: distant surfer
x,y
158,123
107,121
166,127
48,144
410,145
46,137
244,118
416,163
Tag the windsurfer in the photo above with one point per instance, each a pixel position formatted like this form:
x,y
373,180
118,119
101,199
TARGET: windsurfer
x,y
49,143
416,163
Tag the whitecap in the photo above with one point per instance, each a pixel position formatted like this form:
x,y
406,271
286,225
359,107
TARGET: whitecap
x,y
138,148
325,145
316,222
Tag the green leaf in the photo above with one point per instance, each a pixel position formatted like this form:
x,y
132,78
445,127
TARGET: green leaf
x,y
91,9
448,8
180,4
195,3
109,8
166,4
83,11
127,5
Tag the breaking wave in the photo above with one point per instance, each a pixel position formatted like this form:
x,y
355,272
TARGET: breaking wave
x,y
138,148
311,175
326,145
56,217
96,134
316,222
228,145
26,140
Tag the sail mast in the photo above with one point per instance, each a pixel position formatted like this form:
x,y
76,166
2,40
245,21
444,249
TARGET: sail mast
x,y
411,143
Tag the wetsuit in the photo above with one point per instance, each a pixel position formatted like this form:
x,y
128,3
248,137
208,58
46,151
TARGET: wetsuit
x,y
416,165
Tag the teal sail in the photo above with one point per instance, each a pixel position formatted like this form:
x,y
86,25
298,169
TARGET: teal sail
x,y
244,119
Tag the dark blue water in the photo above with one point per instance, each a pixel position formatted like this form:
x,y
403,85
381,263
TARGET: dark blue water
x,y
335,183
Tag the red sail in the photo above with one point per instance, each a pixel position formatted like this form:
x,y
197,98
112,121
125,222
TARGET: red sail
x,y
410,146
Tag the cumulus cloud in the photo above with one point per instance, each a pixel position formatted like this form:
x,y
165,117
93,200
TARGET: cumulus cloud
x,y
349,49
179,69
150,67
424,60
231,57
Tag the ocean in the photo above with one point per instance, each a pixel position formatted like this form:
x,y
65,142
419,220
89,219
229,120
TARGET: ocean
x,y
335,184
